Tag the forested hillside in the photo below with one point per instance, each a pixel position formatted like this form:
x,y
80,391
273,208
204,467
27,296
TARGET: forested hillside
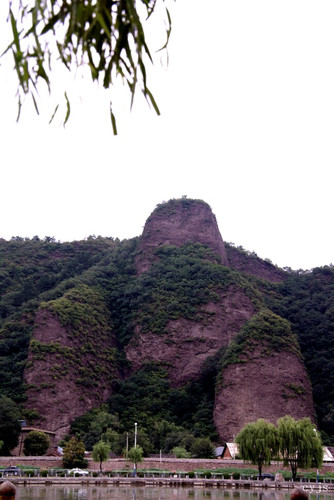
x,y
306,299
153,345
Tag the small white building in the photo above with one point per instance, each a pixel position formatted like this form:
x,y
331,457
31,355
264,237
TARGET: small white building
x,y
328,457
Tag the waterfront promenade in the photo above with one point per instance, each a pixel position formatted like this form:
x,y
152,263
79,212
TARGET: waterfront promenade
x,y
176,481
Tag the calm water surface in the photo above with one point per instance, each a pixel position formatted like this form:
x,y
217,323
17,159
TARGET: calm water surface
x,y
140,493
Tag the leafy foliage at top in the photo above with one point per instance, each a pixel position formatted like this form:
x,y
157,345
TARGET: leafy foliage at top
x,y
105,36
170,207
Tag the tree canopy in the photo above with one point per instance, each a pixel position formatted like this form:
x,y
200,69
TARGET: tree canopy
x,y
136,456
107,37
299,443
258,442
36,443
74,454
100,453
9,425
296,441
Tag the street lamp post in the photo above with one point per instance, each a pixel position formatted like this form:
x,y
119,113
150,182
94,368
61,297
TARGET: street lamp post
x,y
134,465
136,435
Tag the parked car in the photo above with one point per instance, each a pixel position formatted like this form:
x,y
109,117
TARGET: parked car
x,y
80,472
11,471
266,475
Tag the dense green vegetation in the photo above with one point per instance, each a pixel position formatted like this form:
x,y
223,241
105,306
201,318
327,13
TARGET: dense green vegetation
x,y
295,441
299,444
74,454
36,443
9,425
265,329
306,299
166,417
258,442
32,271
92,288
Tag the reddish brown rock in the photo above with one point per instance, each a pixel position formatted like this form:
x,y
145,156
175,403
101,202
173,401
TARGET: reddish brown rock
x,y
267,385
250,263
188,344
178,222
55,380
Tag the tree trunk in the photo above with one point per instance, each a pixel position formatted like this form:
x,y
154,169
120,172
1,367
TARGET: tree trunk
x,y
294,470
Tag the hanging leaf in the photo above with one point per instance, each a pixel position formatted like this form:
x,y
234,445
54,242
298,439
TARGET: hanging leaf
x,y
68,109
106,36
113,121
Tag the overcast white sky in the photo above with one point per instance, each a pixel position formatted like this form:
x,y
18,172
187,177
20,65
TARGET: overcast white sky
x,y
247,125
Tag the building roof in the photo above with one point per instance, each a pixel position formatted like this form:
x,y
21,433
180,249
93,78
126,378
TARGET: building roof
x,y
232,448
328,457
29,429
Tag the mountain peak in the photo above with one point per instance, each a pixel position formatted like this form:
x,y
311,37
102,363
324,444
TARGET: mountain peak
x,y
177,222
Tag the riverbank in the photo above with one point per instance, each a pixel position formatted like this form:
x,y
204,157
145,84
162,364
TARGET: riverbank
x,y
168,464
175,482
172,465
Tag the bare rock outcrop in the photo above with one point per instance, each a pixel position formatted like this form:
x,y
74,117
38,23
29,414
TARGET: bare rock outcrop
x,y
178,222
250,263
68,373
188,344
263,382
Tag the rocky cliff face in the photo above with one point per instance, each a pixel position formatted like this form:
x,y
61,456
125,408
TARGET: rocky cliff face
x,y
73,353
268,387
176,223
70,368
250,263
263,377
266,382
187,344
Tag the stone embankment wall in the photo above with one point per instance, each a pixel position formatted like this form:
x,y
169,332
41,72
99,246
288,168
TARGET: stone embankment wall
x,y
170,464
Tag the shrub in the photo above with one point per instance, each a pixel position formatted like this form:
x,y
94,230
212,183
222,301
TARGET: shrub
x,y
191,474
236,475
36,443
44,473
180,452
29,472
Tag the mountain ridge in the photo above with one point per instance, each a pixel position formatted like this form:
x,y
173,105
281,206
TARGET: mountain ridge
x,y
173,300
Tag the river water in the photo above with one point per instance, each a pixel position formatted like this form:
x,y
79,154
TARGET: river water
x,y
140,493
